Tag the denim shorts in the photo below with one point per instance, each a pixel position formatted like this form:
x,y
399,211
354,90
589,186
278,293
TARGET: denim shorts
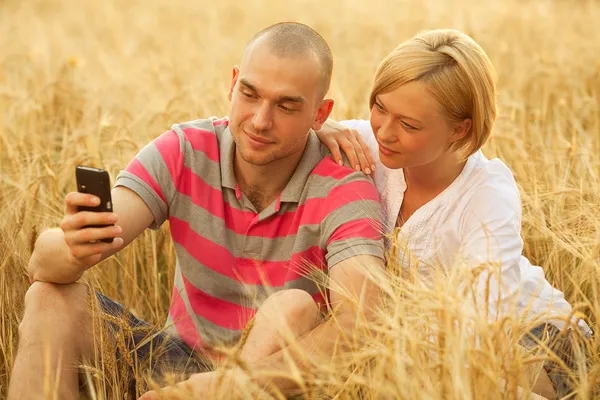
x,y
143,350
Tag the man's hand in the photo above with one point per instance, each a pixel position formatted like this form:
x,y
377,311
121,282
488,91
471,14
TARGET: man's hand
x,y
62,255
355,295
85,246
204,385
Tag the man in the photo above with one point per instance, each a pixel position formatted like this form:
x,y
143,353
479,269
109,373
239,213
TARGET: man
x,y
252,201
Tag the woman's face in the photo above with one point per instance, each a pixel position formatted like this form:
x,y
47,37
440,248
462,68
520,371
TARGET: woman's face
x,y
411,128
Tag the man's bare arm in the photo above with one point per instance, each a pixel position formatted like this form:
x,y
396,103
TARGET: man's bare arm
x,y
355,296
62,255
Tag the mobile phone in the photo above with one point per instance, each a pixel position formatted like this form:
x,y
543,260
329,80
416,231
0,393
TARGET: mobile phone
x,y
96,182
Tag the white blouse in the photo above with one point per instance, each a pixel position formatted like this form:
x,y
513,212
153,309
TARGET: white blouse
x,y
475,220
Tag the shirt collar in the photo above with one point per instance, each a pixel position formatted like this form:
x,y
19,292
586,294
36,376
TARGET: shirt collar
x,y
311,157
226,154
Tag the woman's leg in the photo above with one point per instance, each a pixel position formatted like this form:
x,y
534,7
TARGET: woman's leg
x,y
542,385
554,381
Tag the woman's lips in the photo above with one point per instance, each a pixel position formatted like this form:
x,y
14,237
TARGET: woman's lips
x,y
385,151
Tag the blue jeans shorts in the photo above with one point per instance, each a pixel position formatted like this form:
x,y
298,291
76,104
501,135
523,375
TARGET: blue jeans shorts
x,y
143,350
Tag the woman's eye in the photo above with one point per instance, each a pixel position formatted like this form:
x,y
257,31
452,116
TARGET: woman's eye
x,y
407,126
379,106
249,95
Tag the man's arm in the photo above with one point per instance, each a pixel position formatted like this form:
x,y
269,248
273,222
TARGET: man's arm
x,y
355,296
61,255
141,198
351,232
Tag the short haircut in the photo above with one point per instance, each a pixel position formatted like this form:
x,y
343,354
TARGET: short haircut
x,y
456,71
292,39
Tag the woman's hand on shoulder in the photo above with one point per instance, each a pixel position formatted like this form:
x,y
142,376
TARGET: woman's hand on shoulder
x,y
339,138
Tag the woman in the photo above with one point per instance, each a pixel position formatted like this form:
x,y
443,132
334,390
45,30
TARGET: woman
x,y
433,105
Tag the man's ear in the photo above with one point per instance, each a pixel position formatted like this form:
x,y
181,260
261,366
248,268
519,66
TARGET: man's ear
x,y
322,114
461,129
234,78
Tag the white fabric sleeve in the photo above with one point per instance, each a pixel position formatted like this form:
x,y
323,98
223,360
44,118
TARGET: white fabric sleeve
x,y
492,240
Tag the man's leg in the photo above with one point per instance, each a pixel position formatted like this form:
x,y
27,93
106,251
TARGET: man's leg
x,y
287,314
54,336
291,312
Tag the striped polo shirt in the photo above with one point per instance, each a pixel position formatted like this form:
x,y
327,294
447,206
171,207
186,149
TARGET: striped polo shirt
x,y
230,257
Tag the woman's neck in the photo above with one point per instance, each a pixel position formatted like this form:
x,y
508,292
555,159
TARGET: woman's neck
x,y
435,177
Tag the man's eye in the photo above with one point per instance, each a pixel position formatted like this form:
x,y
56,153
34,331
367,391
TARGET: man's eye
x,y
247,94
286,109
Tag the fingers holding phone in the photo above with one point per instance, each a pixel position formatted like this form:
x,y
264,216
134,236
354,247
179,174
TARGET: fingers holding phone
x,y
89,225
84,227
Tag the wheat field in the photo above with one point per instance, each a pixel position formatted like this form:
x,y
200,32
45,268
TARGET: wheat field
x,y
91,82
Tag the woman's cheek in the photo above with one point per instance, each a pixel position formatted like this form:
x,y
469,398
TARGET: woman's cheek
x,y
411,144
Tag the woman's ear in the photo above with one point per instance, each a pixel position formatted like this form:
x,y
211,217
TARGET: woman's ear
x,y
461,129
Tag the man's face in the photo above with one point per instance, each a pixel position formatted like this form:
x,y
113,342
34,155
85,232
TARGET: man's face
x,y
274,103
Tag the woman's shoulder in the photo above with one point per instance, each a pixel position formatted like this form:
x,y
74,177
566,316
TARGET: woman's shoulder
x,y
491,176
490,188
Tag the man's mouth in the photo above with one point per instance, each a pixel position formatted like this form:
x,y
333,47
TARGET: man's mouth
x,y
258,138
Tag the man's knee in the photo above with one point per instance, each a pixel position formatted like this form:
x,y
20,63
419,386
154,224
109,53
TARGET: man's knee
x,y
294,304
49,300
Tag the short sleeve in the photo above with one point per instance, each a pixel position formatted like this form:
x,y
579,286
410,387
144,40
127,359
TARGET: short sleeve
x,y
352,222
154,172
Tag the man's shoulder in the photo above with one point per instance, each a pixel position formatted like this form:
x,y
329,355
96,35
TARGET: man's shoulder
x,y
339,174
332,179
202,135
211,126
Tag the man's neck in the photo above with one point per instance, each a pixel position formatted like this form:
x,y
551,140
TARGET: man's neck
x,y
435,177
263,184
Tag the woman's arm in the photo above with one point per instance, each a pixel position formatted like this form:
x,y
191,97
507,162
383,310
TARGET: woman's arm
x,y
492,246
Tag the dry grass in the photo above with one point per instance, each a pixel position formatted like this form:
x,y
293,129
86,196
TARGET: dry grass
x,y
91,82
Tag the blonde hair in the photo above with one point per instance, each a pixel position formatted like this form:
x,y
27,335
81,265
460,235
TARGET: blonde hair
x,y
456,71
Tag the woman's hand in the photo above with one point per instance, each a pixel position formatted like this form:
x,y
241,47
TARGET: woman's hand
x,y
336,136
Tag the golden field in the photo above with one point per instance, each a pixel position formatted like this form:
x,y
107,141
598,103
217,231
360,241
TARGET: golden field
x,y
89,82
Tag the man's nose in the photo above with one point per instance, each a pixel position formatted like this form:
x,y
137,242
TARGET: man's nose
x,y
263,117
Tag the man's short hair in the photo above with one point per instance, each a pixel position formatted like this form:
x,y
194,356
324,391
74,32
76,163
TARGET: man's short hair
x,y
292,39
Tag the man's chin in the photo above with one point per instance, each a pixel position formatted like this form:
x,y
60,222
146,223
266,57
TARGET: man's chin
x,y
257,159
